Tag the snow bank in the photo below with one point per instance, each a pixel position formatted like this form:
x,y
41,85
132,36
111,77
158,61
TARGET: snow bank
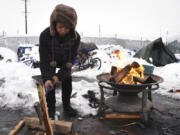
x,y
8,54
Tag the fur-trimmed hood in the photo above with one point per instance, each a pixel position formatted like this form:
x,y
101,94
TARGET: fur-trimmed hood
x,y
64,14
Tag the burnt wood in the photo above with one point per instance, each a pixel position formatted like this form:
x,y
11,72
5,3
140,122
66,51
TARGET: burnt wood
x,y
121,74
135,65
147,80
114,70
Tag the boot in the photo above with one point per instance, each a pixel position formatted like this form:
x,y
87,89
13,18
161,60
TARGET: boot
x,y
51,104
66,93
70,111
51,116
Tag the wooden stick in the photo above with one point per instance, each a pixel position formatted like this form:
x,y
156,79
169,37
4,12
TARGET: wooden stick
x,y
122,116
73,95
124,131
43,103
130,124
17,128
39,112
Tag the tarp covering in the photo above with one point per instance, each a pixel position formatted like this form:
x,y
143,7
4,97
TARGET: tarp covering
x,y
89,46
156,53
86,47
174,47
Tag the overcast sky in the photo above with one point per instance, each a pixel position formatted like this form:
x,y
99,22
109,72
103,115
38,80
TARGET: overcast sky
x,y
131,19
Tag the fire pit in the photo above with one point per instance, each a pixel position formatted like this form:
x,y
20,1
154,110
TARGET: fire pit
x,y
128,100
129,89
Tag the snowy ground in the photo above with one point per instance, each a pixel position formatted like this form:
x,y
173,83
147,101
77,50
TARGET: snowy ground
x,y
18,89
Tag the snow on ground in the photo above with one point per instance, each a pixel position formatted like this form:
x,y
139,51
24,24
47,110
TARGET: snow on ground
x,y
19,89
171,76
7,54
177,56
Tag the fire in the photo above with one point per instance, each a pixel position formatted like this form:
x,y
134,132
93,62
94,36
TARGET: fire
x,y
134,72
118,54
137,72
118,68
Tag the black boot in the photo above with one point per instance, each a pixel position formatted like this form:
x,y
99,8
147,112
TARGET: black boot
x,y
51,115
66,93
51,104
70,111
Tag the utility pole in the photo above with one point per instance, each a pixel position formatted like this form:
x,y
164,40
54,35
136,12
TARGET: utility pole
x,y
3,33
167,37
82,34
115,35
160,31
25,14
99,30
26,29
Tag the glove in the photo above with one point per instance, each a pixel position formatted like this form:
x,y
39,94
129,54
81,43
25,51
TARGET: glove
x,y
69,65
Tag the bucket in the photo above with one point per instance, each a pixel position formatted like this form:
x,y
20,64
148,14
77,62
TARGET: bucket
x,y
148,69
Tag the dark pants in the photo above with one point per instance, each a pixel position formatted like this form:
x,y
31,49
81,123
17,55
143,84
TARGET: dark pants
x,y
66,93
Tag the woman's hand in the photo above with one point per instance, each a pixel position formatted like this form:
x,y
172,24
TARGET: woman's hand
x,y
56,80
48,83
69,65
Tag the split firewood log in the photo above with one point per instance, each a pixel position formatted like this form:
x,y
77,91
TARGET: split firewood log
x,y
135,65
62,127
147,80
114,70
120,74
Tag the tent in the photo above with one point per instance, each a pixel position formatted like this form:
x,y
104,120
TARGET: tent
x,y
156,53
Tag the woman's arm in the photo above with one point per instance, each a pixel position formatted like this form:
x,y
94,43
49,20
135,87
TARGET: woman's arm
x,y
46,70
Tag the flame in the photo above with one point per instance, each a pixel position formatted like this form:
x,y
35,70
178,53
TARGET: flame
x,y
118,68
137,72
118,54
134,72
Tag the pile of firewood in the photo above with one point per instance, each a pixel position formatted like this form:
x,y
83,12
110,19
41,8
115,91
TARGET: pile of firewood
x,y
130,74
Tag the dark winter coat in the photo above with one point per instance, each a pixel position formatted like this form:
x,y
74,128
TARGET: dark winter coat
x,y
61,50
64,51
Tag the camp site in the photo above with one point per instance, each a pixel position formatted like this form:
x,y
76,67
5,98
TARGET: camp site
x,y
76,68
